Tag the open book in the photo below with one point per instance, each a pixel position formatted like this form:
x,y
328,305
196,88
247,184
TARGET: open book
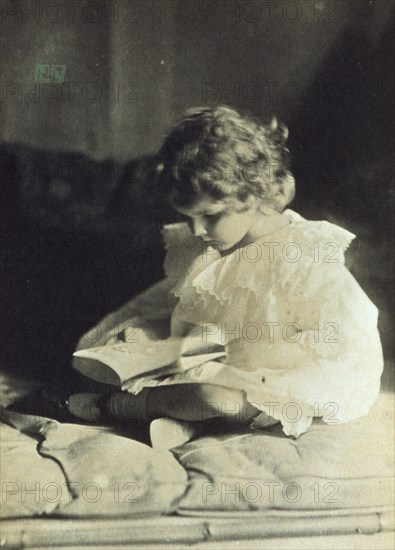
x,y
116,363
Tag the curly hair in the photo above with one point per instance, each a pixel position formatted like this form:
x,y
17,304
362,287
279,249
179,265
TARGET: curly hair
x,y
219,153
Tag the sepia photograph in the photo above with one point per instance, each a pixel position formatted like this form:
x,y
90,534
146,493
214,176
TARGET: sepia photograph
x,y
197,297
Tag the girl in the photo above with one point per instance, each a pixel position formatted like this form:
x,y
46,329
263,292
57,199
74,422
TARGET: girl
x,y
299,335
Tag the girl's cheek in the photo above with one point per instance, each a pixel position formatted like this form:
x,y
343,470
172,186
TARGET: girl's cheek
x,y
222,228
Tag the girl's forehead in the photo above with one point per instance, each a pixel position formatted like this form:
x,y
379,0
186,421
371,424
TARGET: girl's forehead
x,y
203,206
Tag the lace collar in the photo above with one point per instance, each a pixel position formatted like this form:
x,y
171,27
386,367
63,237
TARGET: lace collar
x,y
188,257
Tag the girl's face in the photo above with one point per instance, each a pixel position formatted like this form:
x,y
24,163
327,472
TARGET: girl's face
x,y
217,224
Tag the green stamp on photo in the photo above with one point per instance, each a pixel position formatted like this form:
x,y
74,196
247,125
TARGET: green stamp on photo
x,y
50,73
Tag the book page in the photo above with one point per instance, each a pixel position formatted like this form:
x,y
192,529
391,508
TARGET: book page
x,y
116,363
127,359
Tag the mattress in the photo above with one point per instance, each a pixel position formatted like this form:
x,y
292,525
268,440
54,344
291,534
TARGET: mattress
x,y
102,487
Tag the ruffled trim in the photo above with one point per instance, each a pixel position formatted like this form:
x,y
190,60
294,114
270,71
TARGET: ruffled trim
x,y
224,282
321,229
268,417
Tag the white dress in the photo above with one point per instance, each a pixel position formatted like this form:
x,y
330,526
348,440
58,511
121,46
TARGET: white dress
x,y
299,334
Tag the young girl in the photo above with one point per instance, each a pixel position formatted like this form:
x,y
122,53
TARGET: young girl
x,y
299,335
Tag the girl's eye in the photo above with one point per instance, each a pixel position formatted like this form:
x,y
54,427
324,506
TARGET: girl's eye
x,y
213,217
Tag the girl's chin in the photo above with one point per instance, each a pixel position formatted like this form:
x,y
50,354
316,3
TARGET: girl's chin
x,y
222,246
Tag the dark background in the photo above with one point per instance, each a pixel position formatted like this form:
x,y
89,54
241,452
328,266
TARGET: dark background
x,y
81,226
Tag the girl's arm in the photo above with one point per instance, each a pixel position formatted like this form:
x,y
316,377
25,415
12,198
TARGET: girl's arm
x,y
148,314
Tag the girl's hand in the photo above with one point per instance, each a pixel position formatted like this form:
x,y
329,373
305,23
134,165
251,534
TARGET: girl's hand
x,y
132,330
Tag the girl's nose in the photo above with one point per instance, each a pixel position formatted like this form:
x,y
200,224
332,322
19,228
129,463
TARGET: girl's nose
x,y
198,228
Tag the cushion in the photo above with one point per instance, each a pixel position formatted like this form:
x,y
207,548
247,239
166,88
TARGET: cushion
x,y
331,466
31,484
328,468
97,471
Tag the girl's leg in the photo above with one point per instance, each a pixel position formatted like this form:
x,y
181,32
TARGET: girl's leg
x,y
192,402
200,402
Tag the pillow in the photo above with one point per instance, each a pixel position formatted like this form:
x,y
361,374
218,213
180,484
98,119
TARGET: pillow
x,y
334,466
31,484
110,475
96,471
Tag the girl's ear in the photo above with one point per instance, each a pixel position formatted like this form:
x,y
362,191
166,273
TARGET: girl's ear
x,y
285,192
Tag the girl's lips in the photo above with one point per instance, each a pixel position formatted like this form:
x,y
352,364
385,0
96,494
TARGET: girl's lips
x,y
214,244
